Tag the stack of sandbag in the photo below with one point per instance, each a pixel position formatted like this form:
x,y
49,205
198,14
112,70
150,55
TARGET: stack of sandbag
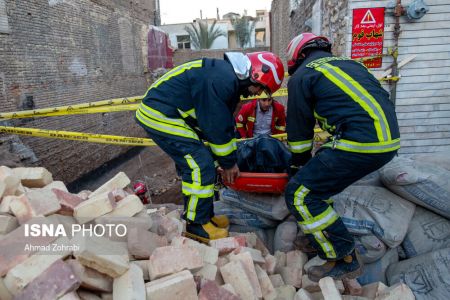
x,y
423,183
258,213
372,210
419,256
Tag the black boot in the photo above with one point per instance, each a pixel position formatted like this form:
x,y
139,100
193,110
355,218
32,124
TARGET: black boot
x,y
349,267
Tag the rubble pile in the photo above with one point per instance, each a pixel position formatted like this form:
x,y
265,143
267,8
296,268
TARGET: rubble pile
x,y
106,244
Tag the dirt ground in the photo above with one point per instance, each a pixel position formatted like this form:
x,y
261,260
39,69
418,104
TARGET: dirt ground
x,y
150,165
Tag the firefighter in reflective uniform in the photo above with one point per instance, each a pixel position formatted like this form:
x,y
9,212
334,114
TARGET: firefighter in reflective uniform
x,y
351,105
194,102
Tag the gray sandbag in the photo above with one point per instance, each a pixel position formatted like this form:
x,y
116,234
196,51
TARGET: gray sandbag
x,y
376,271
428,275
266,205
371,210
427,232
242,217
372,179
285,235
370,248
441,159
423,183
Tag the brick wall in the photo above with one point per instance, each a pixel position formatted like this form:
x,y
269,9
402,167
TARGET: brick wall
x,y
280,27
182,56
334,23
286,24
61,52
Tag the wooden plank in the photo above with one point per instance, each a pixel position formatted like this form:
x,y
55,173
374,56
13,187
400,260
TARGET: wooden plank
x,y
425,149
416,97
420,64
424,142
423,128
426,135
426,79
423,108
438,9
364,3
425,71
389,27
423,115
414,34
435,121
424,41
416,86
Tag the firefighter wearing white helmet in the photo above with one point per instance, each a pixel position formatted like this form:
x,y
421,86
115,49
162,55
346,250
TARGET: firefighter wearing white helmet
x,y
193,103
352,106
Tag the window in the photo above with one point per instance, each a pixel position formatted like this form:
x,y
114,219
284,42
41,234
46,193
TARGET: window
x,y
260,37
259,16
184,42
4,27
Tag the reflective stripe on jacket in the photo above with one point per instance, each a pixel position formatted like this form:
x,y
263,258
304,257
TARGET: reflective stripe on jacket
x,y
195,101
347,100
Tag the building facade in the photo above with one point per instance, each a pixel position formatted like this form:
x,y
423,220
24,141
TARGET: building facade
x,y
259,36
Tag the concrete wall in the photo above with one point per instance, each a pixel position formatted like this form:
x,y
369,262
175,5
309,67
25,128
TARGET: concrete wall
x,y
61,52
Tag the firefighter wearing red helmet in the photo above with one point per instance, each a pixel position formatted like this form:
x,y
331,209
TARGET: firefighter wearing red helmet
x,y
193,103
349,103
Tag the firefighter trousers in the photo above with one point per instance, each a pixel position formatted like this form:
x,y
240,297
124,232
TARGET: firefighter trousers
x,y
195,164
308,194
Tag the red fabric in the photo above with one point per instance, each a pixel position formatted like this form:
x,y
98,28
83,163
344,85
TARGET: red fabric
x,y
249,111
160,55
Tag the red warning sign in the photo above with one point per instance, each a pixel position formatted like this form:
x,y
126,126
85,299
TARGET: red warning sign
x,y
368,34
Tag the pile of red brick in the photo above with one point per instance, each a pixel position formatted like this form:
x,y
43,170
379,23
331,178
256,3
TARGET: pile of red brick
x,y
152,261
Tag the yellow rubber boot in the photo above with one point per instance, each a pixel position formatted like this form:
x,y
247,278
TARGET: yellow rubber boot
x,y
220,221
205,232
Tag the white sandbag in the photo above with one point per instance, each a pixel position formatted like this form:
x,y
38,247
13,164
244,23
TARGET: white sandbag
x,y
266,205
285,236
427,232
370,248
428,275
423,183
376,271
441,159
372,179
242,217
371,210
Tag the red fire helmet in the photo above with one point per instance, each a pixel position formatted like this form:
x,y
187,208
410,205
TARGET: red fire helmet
x,y
267,70
139,188
297,44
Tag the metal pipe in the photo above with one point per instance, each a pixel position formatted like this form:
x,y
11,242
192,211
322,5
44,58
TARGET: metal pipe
x,y
398,11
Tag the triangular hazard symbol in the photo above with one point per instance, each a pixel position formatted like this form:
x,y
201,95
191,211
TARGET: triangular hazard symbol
x,y
368,18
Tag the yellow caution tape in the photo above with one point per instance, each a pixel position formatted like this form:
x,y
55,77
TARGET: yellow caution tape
x,y
111,105
79,111
281,92
102,138
79,136
70,109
